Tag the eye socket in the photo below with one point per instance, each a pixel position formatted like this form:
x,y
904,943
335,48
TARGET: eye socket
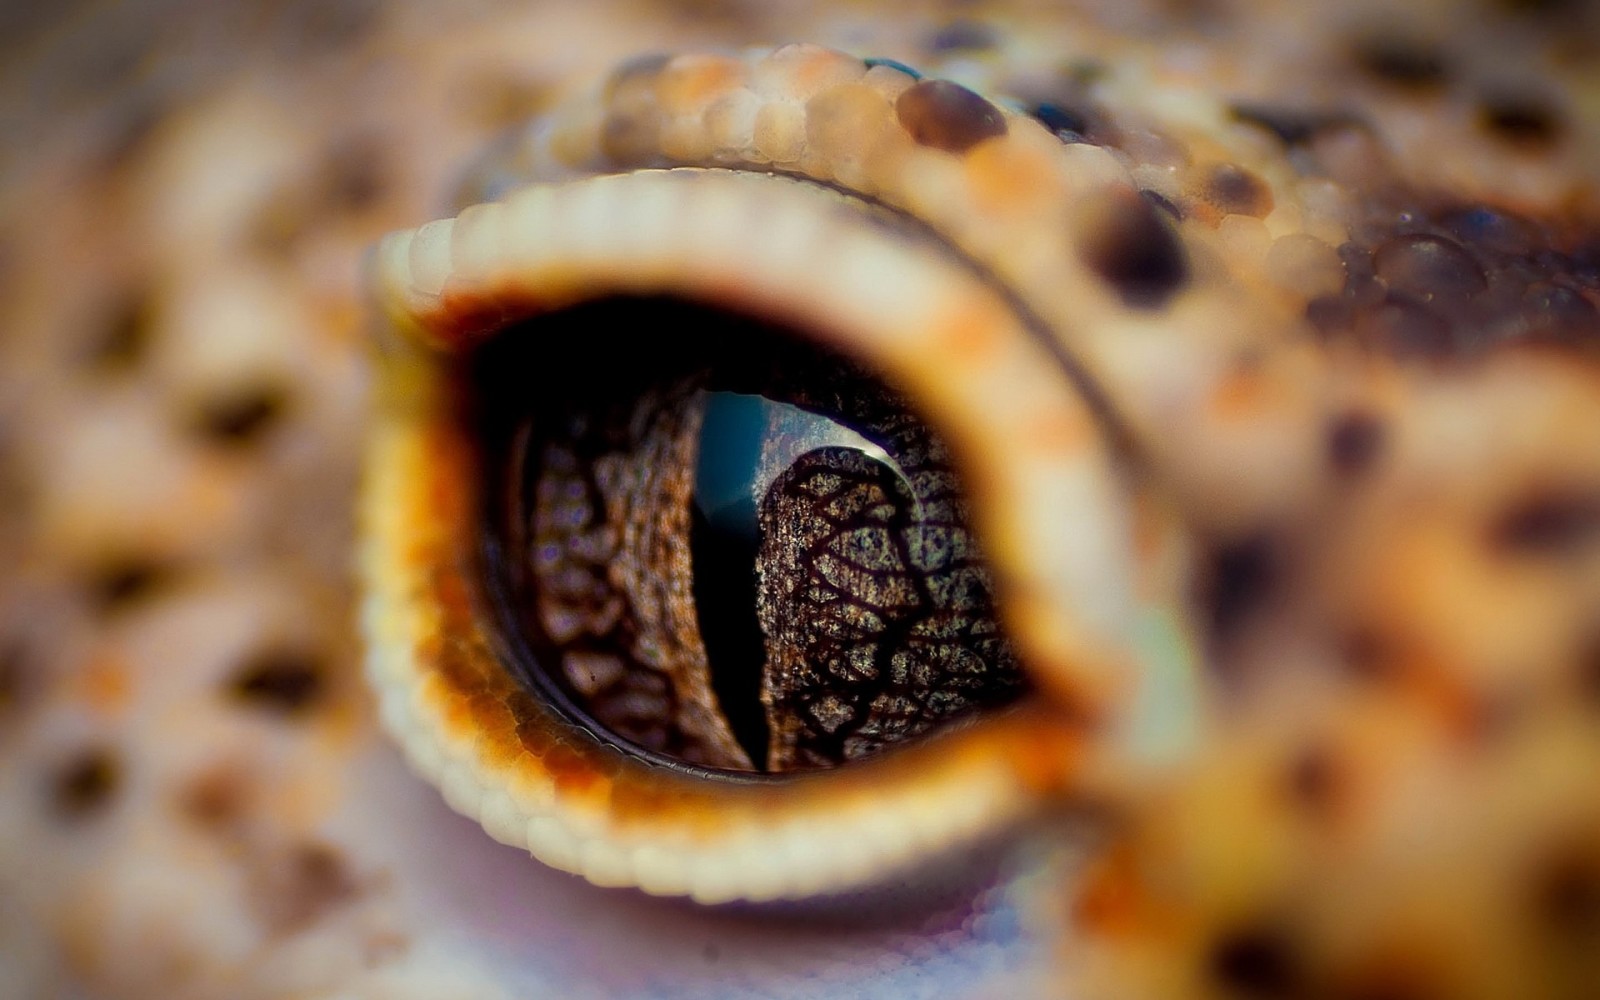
x,y
453,675
727,547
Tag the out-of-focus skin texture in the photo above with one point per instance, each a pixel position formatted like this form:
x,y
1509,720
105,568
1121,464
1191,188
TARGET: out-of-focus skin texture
x,y
1350,339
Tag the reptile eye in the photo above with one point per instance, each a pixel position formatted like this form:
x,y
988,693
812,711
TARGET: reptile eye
x,y
676,495
724,546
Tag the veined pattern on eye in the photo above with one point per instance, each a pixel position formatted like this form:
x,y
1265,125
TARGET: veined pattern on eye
x,y
740,554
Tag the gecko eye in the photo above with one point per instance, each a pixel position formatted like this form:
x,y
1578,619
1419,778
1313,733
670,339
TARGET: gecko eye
x,y
671,535
726,547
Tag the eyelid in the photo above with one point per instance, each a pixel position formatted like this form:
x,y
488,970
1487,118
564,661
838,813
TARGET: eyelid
x,y
826,263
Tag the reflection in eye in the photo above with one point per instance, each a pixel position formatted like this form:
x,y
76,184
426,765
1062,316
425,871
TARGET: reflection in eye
x,y
731,550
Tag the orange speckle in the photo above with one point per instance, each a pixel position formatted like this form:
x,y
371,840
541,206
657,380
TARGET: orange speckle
x,y
104,686
634,803
1046,752
500,746
1114,900
1011,178
1243,394
815,70
969,336
689,82
1059,433
1150,528
456,719
572,774
526,777
467,313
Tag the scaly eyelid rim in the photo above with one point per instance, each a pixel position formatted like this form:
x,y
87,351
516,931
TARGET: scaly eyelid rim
x,y
768,246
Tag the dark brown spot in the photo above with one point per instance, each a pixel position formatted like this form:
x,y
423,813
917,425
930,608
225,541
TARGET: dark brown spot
x,y
1357,261
1412,64
1548,524
1589,666
1314,779
503,100
1522,120
215,799
1403,327
286,683
1557,313
1539,8
948,116
631,131
1235,190
123,65
241,417
1241,575
1584,262
86,784
1428,267
124,581
1331,314
1256,962
318,26
354,176
126,336
1292,126
1132,247
1566,896
17,681
304,885
20,23
964,36
128,137
1488,718
1368,654
1355,440
637,68
1085,71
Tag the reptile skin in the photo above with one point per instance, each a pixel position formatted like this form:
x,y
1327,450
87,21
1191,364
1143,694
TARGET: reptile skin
x,y
1325,306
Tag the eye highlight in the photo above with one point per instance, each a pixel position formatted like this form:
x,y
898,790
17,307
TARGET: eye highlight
x,y
729,548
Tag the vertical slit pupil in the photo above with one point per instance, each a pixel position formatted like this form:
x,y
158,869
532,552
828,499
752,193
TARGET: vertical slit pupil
x,y
725,596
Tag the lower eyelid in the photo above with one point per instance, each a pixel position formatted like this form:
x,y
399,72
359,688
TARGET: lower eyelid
x,y
588,807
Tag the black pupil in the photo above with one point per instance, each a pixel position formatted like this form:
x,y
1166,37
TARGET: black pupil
x,y
720,545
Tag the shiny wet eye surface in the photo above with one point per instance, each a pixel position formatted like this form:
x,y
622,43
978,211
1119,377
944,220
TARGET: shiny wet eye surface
x,y
712,542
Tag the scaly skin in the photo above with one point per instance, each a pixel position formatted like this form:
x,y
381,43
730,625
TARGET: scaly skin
x,y
1369,477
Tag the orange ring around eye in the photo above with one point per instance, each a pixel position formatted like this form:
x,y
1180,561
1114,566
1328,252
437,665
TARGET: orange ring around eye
x,y
1047,506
